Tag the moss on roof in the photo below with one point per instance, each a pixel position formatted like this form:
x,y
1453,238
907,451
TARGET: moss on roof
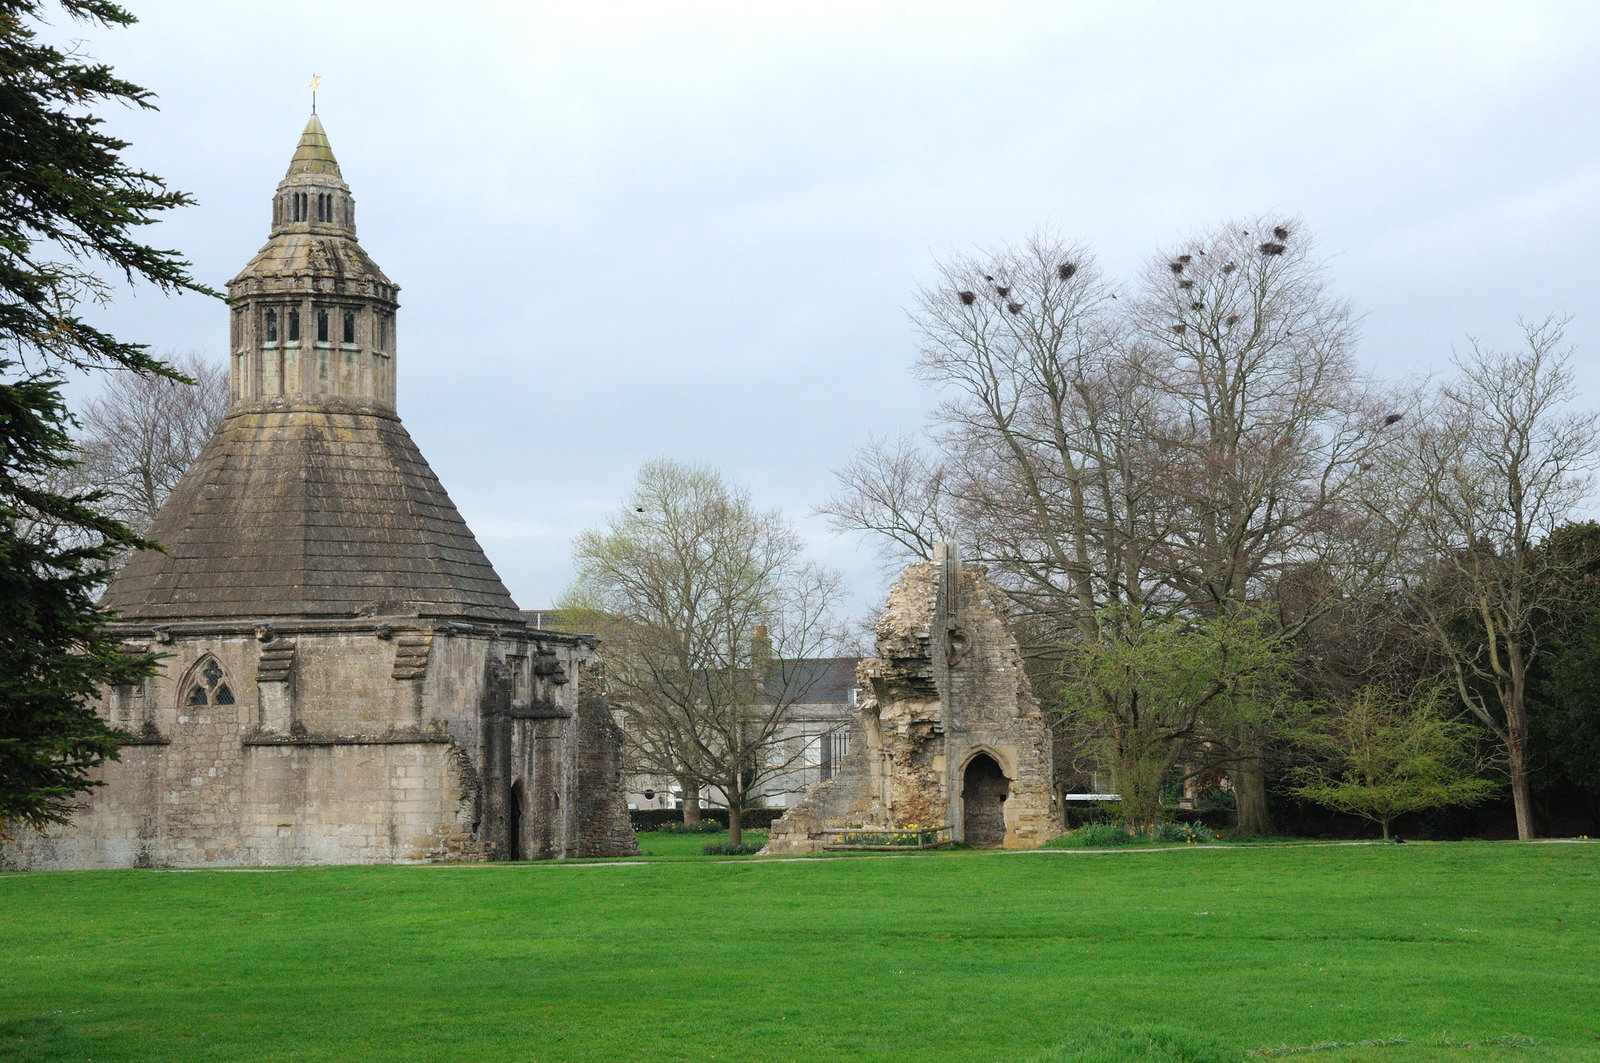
x,y
314,154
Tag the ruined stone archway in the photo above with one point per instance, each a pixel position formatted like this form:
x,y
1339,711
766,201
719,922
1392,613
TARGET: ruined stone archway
x,y
984,791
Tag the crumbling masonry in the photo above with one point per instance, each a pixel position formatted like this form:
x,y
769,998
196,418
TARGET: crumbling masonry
x,y
948,733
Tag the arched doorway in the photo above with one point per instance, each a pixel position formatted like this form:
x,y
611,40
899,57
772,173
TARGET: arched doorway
x,y
514,823
983,802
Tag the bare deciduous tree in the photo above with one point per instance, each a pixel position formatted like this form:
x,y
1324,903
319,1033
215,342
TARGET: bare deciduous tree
x,y
893,489
140,435
1500,463
716,613
1256,363
1163,459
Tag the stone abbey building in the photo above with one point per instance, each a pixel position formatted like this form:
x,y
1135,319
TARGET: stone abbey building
x,y
345,678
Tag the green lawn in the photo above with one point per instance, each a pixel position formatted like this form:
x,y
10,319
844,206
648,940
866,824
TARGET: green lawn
x,y
656,844
1198,954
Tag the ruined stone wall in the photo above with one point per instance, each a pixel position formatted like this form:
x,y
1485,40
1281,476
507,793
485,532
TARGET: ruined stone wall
x,y
604,828
319,745
947,687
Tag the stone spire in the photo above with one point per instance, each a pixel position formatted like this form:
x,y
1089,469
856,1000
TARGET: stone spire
x,y
313,315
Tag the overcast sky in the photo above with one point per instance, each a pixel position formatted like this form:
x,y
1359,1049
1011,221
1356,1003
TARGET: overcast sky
x,y
692,230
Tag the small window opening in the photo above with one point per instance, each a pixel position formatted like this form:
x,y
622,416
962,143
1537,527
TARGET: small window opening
x,y
211,690
294,326
322,326
349,327
272,326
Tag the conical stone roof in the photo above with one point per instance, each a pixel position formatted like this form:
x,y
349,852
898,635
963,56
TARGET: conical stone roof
x,y
314,154
311,500
311,514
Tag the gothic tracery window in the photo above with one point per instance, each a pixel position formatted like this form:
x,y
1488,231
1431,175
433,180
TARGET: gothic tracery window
x,y
272,326
322,326
208,687
294,326
349,327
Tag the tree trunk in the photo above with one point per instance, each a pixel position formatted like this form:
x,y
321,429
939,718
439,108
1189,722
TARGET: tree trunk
x,y
691,804
1385,824
1521,796
735,824
1516,709
1250,794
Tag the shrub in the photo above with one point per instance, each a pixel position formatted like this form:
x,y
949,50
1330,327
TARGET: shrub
x,y
705,826
1094,836
1184,833
728,849
647,819
1077,813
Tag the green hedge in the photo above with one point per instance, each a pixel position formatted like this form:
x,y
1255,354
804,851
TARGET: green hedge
x,y
648,819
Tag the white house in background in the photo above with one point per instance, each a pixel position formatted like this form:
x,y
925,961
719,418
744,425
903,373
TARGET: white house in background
x,y
815,738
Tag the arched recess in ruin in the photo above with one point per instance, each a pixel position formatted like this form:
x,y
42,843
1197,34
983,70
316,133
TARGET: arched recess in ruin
x,y
514,822
984,789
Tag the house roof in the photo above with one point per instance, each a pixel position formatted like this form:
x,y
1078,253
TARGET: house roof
x,y
819,680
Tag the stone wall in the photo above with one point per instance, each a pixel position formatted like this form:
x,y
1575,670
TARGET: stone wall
x,y
337,743
604,827
947,689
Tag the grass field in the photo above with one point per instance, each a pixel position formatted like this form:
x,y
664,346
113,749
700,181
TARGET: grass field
x,y
1467,951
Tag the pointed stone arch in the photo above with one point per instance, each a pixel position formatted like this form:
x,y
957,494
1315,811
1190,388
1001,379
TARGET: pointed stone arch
x,y
206,684
985,787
